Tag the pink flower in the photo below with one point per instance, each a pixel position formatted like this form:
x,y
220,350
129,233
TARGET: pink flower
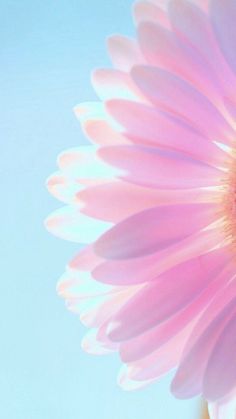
x,y
154,199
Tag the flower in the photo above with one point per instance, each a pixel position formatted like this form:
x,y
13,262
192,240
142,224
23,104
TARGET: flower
x,y
154,198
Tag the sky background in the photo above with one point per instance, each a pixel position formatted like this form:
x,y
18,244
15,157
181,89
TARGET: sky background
x,y
48,49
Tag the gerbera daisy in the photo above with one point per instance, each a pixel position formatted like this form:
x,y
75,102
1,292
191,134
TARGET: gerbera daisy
x,y
154,199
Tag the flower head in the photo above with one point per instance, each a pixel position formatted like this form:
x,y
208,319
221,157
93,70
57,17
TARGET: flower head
x,y
154,198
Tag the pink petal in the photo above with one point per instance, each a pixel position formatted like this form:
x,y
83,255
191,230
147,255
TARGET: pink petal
x,y
109,83
154,167
146,343
192,25
96,311
85,260
124,52
91,113
63,187
160,300
160,3
190,374
154,229
100,132
118,200
217,305
82,286
220,374
82,166
172,94
70,224
189,23
148,126
92,345
204,4
164,3
223,16
164,49
145,11
103,339
161,361
127,384
153,339
147,268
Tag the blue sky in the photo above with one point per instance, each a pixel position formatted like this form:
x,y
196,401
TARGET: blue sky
x,y
48,49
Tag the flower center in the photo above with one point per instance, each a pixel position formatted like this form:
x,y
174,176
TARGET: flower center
x,y
229,204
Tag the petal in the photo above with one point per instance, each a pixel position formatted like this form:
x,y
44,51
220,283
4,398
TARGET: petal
x,y
118,200
109,83
63,187
164,49
82,165
170,93
154,167
85,260
217,305
164,3
190,374
223,15
189,23
154,338
145,11
204,4
69,224
127,384
220,375
161,361
102,133
160,300
82,286
96,311
92,345
223,409
124,52
160,3
154,229
147,268
93,111
148,126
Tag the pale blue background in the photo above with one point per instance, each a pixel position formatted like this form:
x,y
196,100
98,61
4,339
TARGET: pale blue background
x,y
47,51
